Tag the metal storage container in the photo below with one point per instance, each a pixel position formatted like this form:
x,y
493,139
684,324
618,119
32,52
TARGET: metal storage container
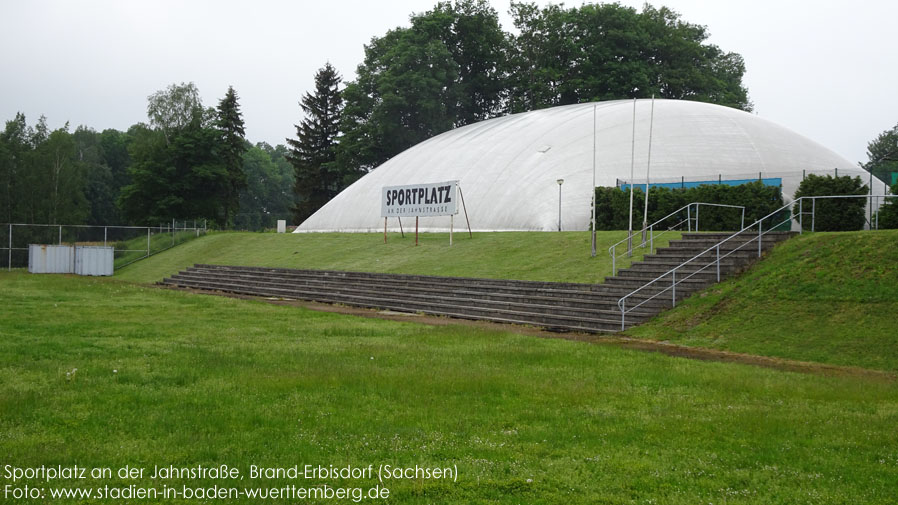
x,y
51,259
94,260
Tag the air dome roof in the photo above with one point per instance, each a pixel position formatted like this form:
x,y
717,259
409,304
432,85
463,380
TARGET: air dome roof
x,y
507,167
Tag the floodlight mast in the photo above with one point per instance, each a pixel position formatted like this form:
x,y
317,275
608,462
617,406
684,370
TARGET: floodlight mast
x,y
648,167
593,180
560,182
632,167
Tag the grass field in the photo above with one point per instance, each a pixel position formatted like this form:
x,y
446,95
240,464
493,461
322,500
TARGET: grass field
x,y
170,378
563,256
824,297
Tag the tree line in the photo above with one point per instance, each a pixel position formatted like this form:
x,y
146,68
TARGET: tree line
x,y
455,65
451,66
187,162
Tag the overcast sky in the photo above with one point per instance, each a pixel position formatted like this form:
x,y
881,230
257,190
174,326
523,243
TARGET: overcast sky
x,y
827,70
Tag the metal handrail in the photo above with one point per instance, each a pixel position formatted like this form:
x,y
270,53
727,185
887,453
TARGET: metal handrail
x,y
651,229
716,247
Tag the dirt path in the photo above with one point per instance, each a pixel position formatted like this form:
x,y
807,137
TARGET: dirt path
x,y
617,340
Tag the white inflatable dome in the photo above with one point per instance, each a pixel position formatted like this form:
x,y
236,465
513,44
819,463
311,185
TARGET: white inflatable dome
x,y
507,167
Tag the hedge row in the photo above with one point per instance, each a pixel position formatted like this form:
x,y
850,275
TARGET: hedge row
x,y
759,200
613,205
839,214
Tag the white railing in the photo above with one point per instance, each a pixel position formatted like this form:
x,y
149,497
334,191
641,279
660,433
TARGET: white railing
x,y
691,222
714,250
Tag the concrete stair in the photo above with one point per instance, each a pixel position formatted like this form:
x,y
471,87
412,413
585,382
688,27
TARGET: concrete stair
x,y
553,305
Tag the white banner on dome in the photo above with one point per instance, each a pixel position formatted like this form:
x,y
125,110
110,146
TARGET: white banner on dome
x,y
421,200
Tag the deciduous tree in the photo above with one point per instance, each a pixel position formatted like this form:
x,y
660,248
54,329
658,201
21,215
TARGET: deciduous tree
x,y
609,51
178,169
446,70
882,155
174,108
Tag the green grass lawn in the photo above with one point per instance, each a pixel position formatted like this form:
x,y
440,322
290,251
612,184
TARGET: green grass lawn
x,y
132,250
825,297
545,256
211,380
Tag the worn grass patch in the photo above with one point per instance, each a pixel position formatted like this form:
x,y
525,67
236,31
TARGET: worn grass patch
x,y
825,297
211,380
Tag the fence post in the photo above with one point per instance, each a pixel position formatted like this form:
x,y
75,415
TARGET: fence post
x,y
760,227
689,217
813,213
60,234
800,216
9,259
613,261
105,230
652,238
870,213
148,242
623,313
718,262
673,286
697,207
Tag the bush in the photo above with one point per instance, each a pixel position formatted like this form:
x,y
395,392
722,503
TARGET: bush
x,y
759,200
837,214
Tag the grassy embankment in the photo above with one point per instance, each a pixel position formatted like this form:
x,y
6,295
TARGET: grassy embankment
x,y
166,377
825,297
131,250
563,256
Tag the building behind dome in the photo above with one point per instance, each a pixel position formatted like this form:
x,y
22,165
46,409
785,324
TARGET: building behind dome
x,y
507,167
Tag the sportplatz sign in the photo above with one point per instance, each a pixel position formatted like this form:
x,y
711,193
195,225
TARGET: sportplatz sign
x,y
420,200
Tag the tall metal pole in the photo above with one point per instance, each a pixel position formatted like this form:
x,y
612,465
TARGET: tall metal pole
x,y
560,182
648,166
870,212
594,181
632,167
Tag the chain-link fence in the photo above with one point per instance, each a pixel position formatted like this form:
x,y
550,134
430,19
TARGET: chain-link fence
x,y
769,178
130,243
260,221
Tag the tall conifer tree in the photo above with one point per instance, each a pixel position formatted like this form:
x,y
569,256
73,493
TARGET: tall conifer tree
x,y
230,127
312,153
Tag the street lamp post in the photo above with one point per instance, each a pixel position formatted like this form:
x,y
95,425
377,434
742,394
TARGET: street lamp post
x,y
560,182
